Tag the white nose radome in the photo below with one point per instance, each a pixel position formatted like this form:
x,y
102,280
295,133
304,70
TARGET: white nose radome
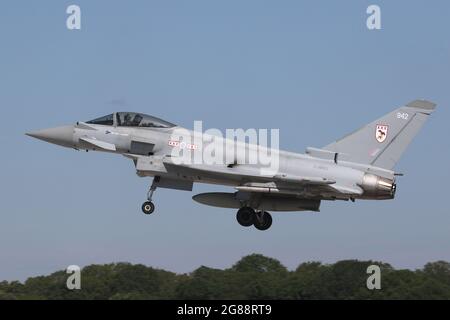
x,y
62,136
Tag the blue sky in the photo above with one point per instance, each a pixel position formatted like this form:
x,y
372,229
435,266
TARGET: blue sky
x,y
310,68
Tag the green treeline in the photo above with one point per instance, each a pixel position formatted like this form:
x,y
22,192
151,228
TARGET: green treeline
x,y
253,277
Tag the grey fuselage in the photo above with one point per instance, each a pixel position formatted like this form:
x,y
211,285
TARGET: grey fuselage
x,y
151,150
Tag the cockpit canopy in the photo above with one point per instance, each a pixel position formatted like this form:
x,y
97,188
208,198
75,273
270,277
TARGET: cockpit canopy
x,y
131,119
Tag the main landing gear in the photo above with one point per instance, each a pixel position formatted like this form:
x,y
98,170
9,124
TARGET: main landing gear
x,y
246,216
148,207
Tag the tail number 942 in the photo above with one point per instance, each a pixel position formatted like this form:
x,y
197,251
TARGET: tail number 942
x,y
402,115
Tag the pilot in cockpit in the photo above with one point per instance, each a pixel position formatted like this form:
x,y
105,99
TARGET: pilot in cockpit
x,y
126,120
137,120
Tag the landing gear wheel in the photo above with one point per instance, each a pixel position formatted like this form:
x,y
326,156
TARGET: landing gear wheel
x,y
246,216
263,221
148,207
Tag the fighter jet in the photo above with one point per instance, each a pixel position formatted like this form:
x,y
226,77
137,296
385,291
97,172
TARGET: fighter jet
x,y
357,166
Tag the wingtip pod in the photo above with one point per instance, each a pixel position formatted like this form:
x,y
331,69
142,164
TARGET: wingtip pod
x,y
422,104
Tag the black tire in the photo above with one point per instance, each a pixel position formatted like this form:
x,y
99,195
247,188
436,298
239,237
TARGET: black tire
x,y
266,222
246,216
148,207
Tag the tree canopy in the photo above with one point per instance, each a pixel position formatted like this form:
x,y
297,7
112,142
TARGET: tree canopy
x,y
253,277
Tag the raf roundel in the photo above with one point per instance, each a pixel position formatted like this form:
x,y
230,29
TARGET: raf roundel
x,y
381,132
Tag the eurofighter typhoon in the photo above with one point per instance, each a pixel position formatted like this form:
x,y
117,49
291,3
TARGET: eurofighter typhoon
x,y
357,166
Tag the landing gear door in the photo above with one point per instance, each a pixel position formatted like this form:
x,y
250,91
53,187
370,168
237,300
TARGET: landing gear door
x,y
141,148
176,184
146,166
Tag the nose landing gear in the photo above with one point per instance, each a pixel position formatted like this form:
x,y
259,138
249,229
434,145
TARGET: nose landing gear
x,y
246,217
148,207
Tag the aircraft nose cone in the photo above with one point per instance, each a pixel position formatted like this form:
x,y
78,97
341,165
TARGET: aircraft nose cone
x,y
61,135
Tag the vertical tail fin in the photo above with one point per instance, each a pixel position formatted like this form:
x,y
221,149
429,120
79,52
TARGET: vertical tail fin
x,y
382,142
